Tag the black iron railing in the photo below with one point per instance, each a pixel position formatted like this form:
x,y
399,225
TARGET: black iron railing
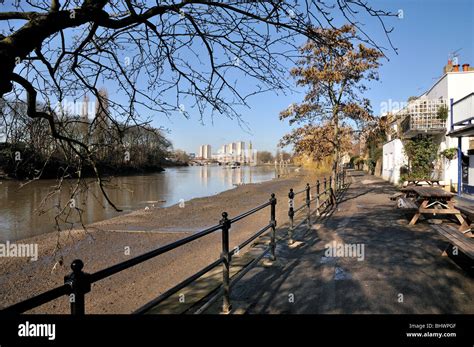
x,y
323,199
78,283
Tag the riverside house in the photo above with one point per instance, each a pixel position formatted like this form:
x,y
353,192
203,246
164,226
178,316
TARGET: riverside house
x,y
420,117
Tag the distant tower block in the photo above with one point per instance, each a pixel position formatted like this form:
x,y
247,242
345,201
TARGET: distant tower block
x,y
85,107
251,157
205,152
84,125
241,151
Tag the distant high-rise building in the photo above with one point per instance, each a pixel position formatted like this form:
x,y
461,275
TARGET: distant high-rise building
x,y
84,125
240,151
251,155
240,147
205,152
232,148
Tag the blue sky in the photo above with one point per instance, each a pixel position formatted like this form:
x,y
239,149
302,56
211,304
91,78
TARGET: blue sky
x,y
428,32
424,37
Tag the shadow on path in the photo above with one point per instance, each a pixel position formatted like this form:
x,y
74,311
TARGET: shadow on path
x,y
400,270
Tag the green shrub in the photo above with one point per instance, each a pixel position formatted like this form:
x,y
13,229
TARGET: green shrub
x,y
421,153
450,153
442,112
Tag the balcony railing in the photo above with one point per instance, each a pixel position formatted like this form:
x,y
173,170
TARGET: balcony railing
x,y
421,117
463,110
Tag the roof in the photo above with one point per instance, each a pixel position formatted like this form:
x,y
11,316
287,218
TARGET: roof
x,y
466,131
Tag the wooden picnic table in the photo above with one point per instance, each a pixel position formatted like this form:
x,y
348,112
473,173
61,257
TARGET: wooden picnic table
x,y
432,192
418,182
431,200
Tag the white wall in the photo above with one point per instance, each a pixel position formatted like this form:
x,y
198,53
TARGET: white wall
x,y
393,159
463,109
471,171
455,85
459,85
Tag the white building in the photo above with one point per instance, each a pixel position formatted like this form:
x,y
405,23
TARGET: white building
x,y
240,151
235,151
393,160
205,152
232,148
240,147
420,118
462,129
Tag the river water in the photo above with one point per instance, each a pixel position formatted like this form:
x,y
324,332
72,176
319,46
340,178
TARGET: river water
x,y
22,213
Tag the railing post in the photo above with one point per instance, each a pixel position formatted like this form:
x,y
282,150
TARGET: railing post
x,y
317,197
308,204
273,223
291,214
331,191
226,258
80,285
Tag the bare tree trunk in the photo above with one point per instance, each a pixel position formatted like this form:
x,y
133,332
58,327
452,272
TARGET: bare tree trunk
x,y
335,161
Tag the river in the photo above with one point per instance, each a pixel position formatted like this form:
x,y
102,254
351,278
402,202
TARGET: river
x,y
22,213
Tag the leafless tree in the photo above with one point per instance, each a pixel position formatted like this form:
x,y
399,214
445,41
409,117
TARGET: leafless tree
x,y
203,55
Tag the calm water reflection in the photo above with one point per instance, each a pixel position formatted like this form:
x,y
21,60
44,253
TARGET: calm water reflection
x,y
20,218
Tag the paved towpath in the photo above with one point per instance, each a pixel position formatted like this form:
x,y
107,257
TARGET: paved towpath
x,y
402,269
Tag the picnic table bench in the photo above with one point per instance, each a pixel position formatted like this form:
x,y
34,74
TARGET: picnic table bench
x,y
468,213
429,200
464,244
406,204
418,182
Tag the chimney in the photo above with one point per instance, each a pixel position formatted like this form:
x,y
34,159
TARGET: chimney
x,y
456,68
465,67
448,67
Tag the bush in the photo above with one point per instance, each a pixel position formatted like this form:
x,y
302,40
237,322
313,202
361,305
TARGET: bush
x,y
371,162
450,153
442,112
421,153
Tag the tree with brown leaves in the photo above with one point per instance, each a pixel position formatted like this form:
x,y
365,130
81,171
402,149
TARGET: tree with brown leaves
x,y
333,106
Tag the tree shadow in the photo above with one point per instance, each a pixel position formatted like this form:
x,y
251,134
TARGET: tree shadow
x,y
402,272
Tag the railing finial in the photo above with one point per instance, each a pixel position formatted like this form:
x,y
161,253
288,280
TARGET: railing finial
x,y
80,285
77,266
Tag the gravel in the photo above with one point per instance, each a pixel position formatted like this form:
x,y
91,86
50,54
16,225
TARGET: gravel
x,y
111,241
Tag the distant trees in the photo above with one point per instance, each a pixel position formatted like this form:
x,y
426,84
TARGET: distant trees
x,y
375,135
180,156
282,155
30,151
265,157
